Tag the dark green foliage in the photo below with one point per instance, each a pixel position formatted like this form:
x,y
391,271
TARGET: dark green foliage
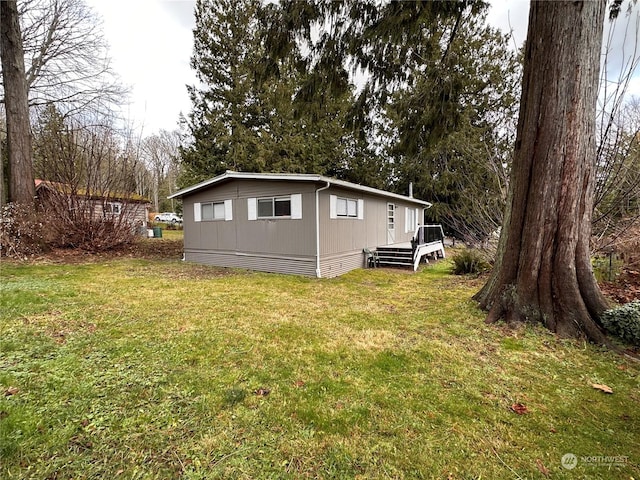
x,y
455,127
262,113
439,100
470,262
624,322
435,104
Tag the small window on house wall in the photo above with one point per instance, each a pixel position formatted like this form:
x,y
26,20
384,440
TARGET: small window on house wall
x,y
113,208
274,207
411,219
289,207
212,211
209,211
342,207
346,207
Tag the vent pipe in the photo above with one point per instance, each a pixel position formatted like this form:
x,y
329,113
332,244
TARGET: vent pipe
x,y
410,189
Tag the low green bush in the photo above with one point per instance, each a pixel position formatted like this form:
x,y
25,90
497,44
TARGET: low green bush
x,y
624,322
470,261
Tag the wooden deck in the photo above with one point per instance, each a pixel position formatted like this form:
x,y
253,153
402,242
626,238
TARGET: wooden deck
x,y
427,240
403,254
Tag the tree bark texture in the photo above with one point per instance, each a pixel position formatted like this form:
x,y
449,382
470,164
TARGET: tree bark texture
x,y
21,184
543,271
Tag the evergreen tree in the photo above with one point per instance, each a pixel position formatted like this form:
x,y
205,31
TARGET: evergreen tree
x,y
455,123
225,115
249,111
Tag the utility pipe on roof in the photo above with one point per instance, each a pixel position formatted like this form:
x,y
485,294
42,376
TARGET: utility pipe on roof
x,y
318,274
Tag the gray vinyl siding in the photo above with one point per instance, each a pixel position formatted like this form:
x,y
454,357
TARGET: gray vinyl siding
x,y
285,245
281,245
343,235
335,265
343,239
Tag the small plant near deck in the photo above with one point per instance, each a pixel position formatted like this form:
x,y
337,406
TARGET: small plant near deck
x,y
624,322
470,262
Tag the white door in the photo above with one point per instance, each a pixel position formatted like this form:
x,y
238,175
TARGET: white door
x,y
391,223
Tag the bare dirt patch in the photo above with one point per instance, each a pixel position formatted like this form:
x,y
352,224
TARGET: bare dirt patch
x,y
152,249
625,289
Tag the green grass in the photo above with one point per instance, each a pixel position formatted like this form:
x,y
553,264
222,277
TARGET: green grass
x,y
152,369
172,234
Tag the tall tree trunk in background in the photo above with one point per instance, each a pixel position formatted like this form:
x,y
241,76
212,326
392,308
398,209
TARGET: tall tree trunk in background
x,y
543,271
21,184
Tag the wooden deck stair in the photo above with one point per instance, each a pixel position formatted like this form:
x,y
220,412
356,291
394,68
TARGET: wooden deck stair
x,y
395,256
427,241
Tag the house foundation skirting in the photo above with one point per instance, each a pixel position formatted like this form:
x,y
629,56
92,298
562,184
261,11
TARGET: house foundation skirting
x,y
341,263
254,261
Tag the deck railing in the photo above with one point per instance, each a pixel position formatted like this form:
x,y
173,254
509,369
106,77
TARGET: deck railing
x,y
427,239
427,234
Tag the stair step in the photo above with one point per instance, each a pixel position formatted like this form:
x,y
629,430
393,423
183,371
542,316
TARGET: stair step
x,y
399,264
396,257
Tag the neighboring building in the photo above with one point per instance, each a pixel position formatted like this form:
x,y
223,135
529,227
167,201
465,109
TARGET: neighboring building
x,y
59,199
292,223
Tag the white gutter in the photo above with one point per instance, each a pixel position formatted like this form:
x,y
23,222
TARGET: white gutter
x,y
318,274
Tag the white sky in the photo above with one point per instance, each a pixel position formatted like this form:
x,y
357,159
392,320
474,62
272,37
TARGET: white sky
x,y
151,44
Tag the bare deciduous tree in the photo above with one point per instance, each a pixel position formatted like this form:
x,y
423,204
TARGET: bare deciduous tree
x,y
89,182
66,57
161,156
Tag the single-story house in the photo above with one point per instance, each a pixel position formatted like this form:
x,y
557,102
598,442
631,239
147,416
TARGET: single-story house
x,y
60,198
293,223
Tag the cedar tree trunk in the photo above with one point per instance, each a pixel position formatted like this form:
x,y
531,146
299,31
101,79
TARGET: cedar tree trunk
x,y
543,271
21,184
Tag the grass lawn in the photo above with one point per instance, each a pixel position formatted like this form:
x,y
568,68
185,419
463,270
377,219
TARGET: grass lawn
x,y
137,369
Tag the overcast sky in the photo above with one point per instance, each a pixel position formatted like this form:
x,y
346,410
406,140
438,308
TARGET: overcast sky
x,y
151,44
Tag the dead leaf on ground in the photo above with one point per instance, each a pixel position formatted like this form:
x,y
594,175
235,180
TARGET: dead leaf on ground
x,y
519,408
602,388
299,383
262,392
11,391
544,470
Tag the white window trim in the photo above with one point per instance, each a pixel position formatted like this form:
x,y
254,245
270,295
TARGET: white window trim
x,y
228,210
110,205
408,212
252,208
296,206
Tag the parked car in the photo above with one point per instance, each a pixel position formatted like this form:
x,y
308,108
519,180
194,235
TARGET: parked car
x,y
168,217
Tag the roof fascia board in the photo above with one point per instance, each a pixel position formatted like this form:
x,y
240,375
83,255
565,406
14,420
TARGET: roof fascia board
x,y
299,177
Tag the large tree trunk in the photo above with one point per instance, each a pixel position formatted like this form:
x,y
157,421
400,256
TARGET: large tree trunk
x,y
543,271
21,184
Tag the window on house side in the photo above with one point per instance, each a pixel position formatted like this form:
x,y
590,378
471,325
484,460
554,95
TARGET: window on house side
x,y
212,211
346,207
274,207
113,208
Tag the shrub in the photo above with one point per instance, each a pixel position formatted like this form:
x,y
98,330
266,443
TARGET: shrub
x,y
91,234
624,322
470,261
25,231
21,231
